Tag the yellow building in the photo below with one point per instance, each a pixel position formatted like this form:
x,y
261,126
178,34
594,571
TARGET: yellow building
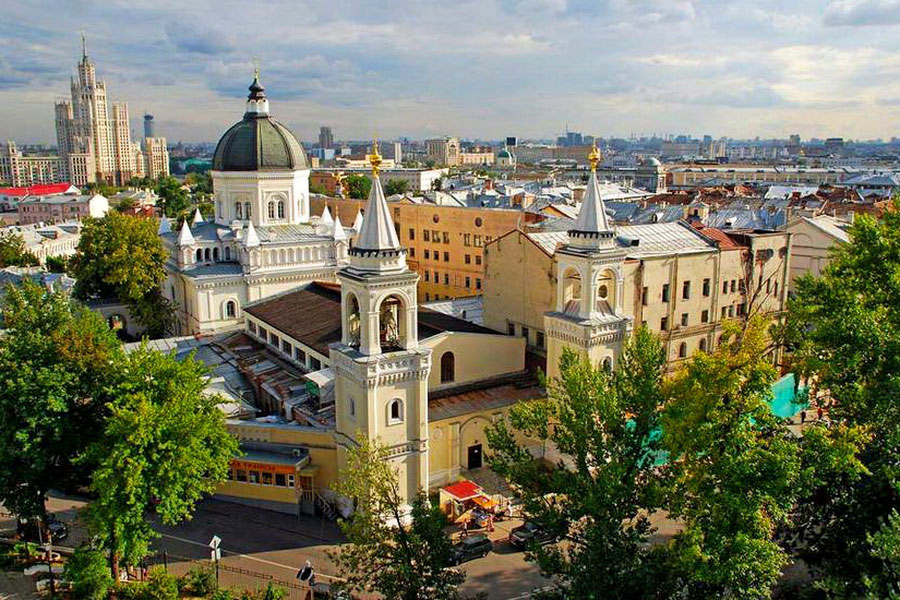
x,y
812,239
445,244
591,286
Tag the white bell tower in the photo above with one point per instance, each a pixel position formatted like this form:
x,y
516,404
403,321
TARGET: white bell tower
x,y
588,316
381,372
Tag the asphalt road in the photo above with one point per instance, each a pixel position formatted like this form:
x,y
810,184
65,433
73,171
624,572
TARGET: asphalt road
x,y
257,544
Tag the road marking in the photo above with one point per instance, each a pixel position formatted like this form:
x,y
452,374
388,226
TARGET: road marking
x,y
260,560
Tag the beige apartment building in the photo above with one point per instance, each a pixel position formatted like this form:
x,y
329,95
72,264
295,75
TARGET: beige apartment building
x,y
19,170
592,286
812,239
60,208
444,151
445,243
686,176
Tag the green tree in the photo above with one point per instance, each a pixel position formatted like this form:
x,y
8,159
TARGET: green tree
x,y
358,186
384,555
120,256
57,264
173,197
163,447
13,252
201,184
396,186
736,468
56,359
318,189
597,497
88,574
844,328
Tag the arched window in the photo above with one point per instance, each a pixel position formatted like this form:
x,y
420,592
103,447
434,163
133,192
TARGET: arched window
x,y
703,345
271,210
351,406
227,253
230,309
238,213
247,212
607,364
216,254
199,255
395,411
682,350
448,367
206,254
280,209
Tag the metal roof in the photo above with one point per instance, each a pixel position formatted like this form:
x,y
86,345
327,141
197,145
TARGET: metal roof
x,y
652,240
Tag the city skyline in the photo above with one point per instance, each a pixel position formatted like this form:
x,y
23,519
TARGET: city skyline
x,y
733,69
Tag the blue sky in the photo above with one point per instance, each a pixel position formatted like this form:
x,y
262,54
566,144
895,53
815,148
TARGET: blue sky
x,y
473,68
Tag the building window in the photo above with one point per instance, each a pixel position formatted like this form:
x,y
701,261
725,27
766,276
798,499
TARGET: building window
x,y
252,327
273,339
769,285
665,292
740,286
478,222
733,285
702,344
706,287
525,333
704,316
686,290
446,257
412,233
286,347
776,289
477,240
280,209
300,355
448,367
446,237
216,254
682,350
539,339
351,407
241,475
227,253
290,480
427,295
724,311
266,478
263,333
478,283
467,239
684,319
412,252
230,309
254,476
724,287
644,294
435,236
271,210
237,210
468,282
427,276
731,311
199,255
437,278
427,254
664,324
607,364
314,363
425,235
741,309
280,480
510,329
468,259
446,279
395,411
477,259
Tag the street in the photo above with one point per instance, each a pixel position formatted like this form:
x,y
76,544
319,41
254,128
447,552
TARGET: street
x,y
257,544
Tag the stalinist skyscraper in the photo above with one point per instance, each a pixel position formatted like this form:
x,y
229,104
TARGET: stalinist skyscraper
x,y
94,142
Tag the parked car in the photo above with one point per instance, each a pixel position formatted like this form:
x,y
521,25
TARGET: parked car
x,y
526,533
471,547
480,518
29,530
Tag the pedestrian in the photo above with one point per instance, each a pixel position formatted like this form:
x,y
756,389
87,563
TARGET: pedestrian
x,y
465,529
490,524
802,417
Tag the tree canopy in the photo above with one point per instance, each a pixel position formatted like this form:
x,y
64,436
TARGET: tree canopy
x,y
596,489
385,554
396,186
358,186
13,252
56,359
173,197
844,328
120,256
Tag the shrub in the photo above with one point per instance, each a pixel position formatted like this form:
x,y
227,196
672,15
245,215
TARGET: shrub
x,y
272,592
161,586
222,594
199,581
88,574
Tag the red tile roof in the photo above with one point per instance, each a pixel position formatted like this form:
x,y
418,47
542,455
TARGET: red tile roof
x,y
725,241
36,190
463,490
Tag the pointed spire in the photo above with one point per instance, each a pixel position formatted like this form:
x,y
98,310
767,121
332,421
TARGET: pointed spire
x,y
198,218
185,237
164,226
257,103
326,217
251,240
357,222
83,46
592,215
339,233
377,231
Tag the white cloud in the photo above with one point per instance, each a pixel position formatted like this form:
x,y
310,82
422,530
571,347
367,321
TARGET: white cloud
x,y
862,12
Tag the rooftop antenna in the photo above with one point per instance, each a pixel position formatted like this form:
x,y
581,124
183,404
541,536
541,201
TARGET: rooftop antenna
x,y
256,66
83,43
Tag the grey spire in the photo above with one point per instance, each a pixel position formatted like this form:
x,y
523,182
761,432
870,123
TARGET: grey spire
x,y
592,215
185,237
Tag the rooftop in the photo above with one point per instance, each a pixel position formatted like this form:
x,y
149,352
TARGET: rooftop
x,y
39,190
656,239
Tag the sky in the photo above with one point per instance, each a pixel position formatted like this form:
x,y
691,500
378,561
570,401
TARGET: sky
x,y
472,68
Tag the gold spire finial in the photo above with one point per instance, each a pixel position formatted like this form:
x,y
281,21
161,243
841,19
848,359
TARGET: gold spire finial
x,y
594,157
256,67
375,157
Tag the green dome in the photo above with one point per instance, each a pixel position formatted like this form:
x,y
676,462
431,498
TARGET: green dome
x,y
259,143
504,154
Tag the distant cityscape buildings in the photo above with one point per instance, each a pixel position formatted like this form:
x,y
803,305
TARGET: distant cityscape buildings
x,y
149,126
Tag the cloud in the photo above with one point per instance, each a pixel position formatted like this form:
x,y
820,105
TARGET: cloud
x,y
862,12
197,40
